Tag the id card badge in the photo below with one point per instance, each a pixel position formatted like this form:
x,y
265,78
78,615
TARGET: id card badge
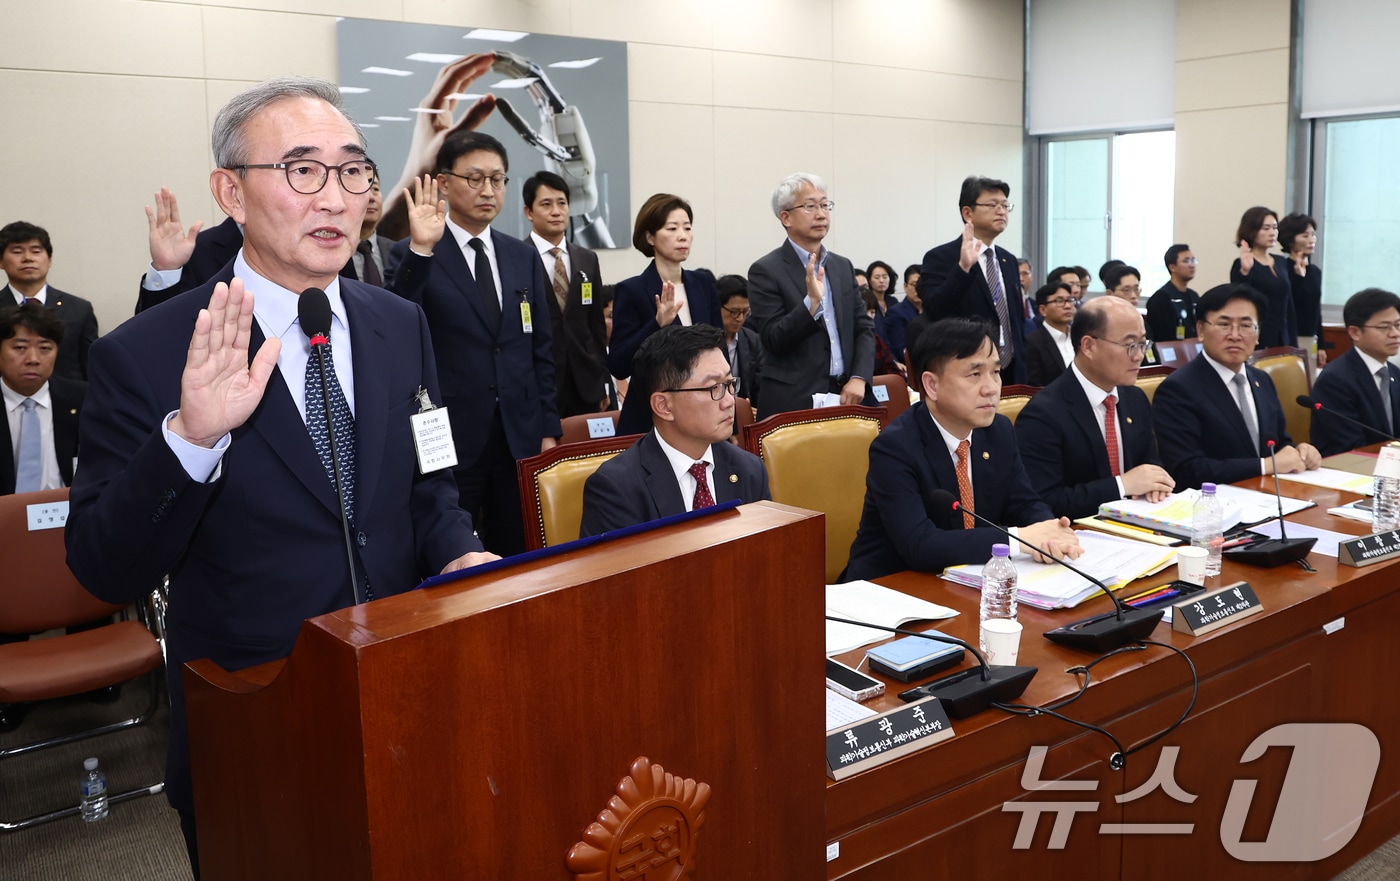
x,y
588,293
432,436
525,323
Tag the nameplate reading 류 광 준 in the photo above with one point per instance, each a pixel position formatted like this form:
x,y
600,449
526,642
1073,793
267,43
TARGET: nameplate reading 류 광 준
x,y
889,735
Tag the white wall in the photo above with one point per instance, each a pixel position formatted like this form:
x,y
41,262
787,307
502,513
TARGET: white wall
x,y
892,101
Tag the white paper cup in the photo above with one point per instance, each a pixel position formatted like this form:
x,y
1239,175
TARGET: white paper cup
x,y
1001,640
1191,564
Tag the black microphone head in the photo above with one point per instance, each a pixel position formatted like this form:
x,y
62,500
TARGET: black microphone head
x,y
941,498
1306,401
314,312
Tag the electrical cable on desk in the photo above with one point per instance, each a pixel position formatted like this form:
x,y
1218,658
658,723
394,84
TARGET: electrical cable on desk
x,y
1119,760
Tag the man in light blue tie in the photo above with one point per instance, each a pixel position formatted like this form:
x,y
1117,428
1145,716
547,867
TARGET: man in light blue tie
x,y
41,410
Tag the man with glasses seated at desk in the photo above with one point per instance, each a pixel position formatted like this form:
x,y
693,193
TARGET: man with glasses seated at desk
x,y
684,462
1362,384
1216,415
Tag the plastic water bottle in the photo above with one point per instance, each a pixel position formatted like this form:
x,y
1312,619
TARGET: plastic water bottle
x,y
998,588
94,789
1205,528
1385,494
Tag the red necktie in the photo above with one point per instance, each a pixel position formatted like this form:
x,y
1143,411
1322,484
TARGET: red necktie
x,y
1110,435
703,499
965,485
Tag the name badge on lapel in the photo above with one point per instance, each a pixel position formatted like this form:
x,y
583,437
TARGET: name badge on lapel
x,y
526,324
432,435
587,289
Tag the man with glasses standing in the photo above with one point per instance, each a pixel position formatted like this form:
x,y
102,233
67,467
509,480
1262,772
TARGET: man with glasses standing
x,y
1361,384
684,462
485,295
1216,415
972,276
817,338
1086,438
1171,311
206,452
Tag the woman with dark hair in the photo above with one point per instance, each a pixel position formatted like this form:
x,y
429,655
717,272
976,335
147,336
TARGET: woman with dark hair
x,y
1257,268
1297,236
663,294
880,276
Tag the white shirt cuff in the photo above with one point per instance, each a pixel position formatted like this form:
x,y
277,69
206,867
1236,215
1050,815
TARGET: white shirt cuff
x,y
1017,549
202,465
1119,481
160,279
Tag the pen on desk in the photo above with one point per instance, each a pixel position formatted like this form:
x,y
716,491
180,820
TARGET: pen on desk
x,y
1237,543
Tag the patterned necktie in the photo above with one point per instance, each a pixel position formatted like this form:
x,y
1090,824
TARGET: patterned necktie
x,y
1110,434
29,470
561,277
703,499
1241,398
965,485
371,274
1383,379
486,284
1008,349
344,427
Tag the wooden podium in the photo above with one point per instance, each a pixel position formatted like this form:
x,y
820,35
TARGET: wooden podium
x,y
479,729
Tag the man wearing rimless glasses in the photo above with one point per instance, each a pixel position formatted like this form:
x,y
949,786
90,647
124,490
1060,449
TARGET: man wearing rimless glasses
x,y
684,462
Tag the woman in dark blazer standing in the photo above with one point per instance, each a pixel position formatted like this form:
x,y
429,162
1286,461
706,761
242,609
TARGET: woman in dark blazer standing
x,y
1257,268
663,294
1297,236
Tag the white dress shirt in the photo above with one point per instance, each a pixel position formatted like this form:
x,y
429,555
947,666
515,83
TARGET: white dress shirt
x,y
1227,376
680,464
544,246
1097,397
14,412
42,296
1017,549
1063,343
463,239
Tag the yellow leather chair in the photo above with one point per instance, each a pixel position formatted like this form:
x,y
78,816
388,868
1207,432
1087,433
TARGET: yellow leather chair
x,y
551,487
1014,398
1289,371
1149,378
817,459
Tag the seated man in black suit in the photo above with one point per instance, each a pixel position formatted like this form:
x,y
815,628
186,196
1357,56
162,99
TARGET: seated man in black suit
x,y
1361,384
1216,416
1049,350
27,253
1065,430
955,442
742,345
684,462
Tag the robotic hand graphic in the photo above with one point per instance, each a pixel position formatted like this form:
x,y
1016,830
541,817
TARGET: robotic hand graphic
x,y
563,139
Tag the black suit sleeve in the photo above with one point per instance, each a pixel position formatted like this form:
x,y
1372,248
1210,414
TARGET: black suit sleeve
x,y
608,504
942,283
1045,451
780,329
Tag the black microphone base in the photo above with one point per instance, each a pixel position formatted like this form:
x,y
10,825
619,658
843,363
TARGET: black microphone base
x,y
966,693
1104,633
1272,552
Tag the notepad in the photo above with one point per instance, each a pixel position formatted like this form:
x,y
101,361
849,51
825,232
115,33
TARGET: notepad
x,y
865,601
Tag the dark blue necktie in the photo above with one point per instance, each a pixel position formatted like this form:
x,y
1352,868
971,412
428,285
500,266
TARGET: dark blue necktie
x,y
343,423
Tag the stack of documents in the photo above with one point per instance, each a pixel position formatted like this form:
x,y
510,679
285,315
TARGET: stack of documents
x,y
864,601
1112,560
1173,515
1331,478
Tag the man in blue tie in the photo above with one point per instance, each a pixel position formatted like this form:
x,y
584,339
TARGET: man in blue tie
x,y
41,410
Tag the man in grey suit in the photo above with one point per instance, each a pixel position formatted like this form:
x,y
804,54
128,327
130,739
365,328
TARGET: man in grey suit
x,y
817,337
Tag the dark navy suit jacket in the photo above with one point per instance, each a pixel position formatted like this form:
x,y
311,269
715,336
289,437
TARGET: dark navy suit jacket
x,y
901,529
1044,364
259,549
1201,432
638,485
634,319
66,396
1347,387
947,290
478,366
79,329
1063,447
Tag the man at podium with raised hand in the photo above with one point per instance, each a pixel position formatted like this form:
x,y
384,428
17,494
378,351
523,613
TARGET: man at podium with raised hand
x,y
684,462
206,455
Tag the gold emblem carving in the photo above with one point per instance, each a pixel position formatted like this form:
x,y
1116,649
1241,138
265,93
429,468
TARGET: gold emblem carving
x,y
647,832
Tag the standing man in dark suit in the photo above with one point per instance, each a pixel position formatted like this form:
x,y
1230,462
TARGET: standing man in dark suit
x,y
1362,384
817,337
1216,415
372,253
1086,438
684,462
1049,349
487,302
575,315
972,276
26,252
41,425
1171,311
208,460
955,441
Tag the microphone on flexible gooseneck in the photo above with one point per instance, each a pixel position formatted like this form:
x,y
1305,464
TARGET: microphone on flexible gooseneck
x,y
1274,551
1316,406
314,316
1102,633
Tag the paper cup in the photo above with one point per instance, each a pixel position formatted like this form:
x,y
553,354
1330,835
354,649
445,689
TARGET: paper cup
x,y
1191,564
1001,640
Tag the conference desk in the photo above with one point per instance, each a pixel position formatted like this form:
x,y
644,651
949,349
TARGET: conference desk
x,y
940,812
